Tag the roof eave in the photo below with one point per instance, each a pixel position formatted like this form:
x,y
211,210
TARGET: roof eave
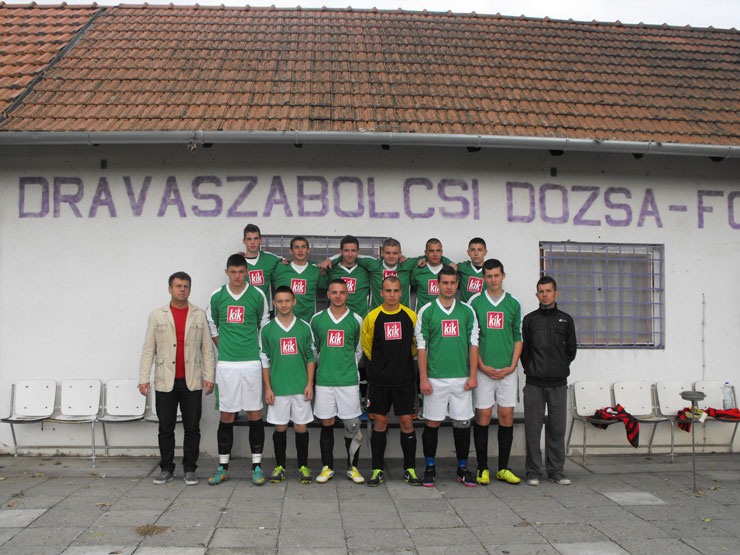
x,y
195,138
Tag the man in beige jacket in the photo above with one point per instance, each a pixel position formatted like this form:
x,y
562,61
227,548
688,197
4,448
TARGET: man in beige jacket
x,y
178,341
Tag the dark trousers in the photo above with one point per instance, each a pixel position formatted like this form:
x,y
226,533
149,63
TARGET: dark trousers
x,y
190,407
535,400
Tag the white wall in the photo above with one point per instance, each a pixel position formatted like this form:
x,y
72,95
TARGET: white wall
x,y
75,291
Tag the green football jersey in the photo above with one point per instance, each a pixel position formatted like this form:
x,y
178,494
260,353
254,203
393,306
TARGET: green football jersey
x,y
378,271
424,280
471,280
286,351
500,327
260,270
446,334
236,319
358,286
304,282
338,347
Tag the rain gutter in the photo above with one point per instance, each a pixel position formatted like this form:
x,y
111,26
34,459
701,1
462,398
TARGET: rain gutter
x,y
199,138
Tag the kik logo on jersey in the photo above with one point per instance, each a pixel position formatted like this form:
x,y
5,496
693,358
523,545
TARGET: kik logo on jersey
x,y
475,285
288,346
496,320
235,315
298,286
450,328
433,287
389,273
393,330
256,277
335,338
351,284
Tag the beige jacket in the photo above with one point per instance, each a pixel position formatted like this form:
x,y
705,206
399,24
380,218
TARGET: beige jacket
x,y
160,347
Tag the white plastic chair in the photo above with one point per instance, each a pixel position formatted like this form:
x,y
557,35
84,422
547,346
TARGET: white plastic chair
x,y
669,402
636,397
80,404
123,403
586,399
31,401
714,399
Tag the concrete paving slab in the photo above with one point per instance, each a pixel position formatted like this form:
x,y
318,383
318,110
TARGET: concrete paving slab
x,y
386,518
523,533
99,549
81,516
180,537
315,551
629,529
651,547
127,518
240,537
587,548
712,546
522,549
634,498
15,518
431,537
380,539
431,519
268,517
50,536
309,538
103,535
693,528
7,533
240,551
147,550
444,550
570,533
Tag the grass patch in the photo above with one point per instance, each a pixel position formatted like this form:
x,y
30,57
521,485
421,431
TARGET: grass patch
x,y
150,530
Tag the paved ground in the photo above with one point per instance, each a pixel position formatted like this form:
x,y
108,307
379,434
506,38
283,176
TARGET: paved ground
x,y
617,504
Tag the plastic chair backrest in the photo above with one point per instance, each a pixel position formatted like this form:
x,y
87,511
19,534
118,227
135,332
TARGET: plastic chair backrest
x,y
35,398
635,396
588,397
714,393
669,397
80,398
122,398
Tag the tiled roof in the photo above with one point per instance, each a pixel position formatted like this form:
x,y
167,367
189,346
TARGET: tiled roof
x,y
195,68
30,38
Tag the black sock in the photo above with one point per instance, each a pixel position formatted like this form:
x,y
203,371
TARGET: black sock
x,y
301,447
280,442
256,438
462,443
326,444
377,447
225,439
408,446
356,459
429,439
480,436
505,439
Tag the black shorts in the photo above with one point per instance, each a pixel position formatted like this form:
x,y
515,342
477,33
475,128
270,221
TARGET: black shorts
x,y
380,398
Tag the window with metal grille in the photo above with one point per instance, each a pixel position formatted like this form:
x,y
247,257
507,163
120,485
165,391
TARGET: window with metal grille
x,y
322,247
615,292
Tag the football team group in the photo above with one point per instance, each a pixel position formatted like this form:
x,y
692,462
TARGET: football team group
x,y
450,360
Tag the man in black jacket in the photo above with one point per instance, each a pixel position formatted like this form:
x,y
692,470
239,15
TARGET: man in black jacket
x,y
549,337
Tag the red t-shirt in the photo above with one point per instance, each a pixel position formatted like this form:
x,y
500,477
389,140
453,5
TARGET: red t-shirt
x,y
180,315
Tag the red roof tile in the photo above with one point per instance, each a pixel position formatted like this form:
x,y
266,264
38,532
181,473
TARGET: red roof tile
x,y
30,38
144,68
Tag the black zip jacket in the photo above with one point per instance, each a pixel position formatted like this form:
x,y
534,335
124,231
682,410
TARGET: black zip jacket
x,y
549,337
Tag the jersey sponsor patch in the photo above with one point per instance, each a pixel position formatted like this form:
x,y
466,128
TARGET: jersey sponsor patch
x,y
235,315
495,320
433,287
475,285
450,328
389,273
335,338
256,277
351,284
393,330
288,346
298,286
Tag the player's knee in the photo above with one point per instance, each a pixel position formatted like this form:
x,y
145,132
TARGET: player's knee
x,y
351,427
461,423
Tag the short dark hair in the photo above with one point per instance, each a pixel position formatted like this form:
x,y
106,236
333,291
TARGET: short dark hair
x,y
338,281
283,289
179,275
392,279
492,264
446,271
477,241
390,242
251,228
299,238
432,241
236,260
545,280
349,240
